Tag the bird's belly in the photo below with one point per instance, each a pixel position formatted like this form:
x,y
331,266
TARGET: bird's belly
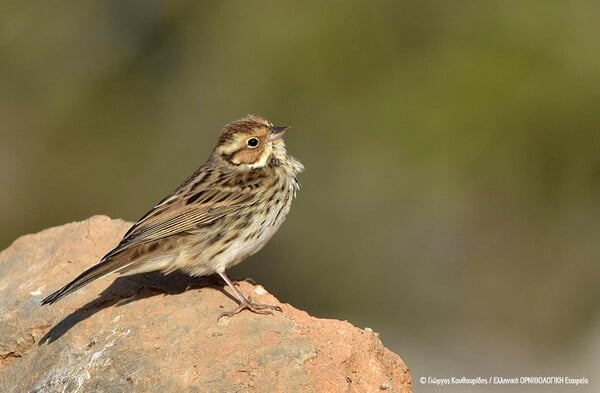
x,y
216,258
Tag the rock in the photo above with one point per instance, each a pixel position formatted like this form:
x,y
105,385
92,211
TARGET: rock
x,y
160,333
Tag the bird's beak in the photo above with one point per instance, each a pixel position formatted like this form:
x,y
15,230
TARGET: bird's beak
x,y
277,132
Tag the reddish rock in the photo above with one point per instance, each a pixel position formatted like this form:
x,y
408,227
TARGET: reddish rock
x,y
160,333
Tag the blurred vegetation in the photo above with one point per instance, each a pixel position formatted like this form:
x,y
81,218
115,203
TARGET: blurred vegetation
x,y
452,150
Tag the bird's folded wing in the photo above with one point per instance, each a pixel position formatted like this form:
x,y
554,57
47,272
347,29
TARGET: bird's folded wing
x,y
173,217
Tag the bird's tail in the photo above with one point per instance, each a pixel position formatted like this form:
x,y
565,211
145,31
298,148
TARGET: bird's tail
x,y
109,264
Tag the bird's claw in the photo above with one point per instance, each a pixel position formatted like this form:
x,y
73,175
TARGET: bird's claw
x,y
257,308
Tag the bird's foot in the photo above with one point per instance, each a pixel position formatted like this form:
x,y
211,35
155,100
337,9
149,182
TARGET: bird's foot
x,y
257,308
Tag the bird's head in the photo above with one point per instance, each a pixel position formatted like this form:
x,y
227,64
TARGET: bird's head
x,y
250,142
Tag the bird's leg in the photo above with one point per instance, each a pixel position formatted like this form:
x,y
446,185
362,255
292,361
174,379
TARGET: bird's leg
x,y
245,303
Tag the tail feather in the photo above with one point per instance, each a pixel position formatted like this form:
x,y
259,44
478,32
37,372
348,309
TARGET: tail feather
x,y
105,267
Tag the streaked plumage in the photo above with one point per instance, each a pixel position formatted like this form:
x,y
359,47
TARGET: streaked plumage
x,y
224,212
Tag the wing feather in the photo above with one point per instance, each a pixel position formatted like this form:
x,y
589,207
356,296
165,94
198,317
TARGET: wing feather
x,y
175,217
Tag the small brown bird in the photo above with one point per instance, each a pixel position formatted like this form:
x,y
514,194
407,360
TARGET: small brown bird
x,y
224,212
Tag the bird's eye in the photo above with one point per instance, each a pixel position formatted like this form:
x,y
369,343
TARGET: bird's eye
x,y
252,142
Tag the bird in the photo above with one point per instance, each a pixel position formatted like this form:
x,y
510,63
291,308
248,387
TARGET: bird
x,y
227,210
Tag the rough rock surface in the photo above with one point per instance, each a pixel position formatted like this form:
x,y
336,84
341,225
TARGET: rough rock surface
x,y
155,333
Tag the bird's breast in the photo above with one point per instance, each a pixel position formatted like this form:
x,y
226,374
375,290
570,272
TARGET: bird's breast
x,y
244,232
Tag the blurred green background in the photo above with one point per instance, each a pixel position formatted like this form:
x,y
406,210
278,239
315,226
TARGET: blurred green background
x,y
451,198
